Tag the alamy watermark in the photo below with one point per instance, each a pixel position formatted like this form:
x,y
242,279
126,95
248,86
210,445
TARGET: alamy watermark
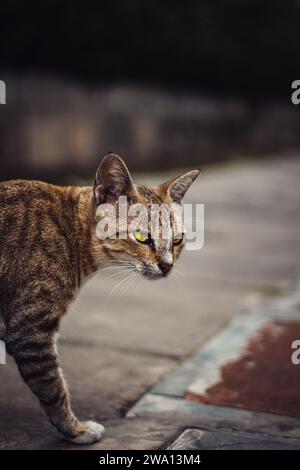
x,y
152,222
295,358
2,353
295,97
2,92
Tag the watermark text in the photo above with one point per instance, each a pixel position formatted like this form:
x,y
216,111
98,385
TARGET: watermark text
x,y
2,353
2,92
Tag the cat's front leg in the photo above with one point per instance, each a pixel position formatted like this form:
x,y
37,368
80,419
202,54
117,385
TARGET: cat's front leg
x,y
33,348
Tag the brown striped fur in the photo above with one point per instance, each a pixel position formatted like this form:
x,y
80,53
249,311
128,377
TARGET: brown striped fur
x,y
48,246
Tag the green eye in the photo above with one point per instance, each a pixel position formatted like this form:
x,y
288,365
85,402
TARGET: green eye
x,y
141,237
176,241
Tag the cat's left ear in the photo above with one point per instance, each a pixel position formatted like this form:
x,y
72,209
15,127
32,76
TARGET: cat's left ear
x,y
176,188
112,180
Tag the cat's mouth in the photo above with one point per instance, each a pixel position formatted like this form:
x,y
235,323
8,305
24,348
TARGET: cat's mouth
x,y
150,272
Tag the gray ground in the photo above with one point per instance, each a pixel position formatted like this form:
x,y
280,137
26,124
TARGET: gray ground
x,y
112,355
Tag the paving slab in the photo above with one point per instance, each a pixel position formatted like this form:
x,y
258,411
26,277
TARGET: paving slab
x,y
262,377
191,414
203,370
198,439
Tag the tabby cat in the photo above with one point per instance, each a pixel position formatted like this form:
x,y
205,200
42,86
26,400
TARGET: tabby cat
x,y
48,247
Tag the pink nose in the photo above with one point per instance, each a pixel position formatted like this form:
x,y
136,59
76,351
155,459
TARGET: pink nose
x,y
165,267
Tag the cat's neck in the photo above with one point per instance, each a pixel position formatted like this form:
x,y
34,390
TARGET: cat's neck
x,y
91,251
86,232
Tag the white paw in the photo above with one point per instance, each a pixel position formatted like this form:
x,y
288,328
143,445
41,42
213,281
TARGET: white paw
x,y
92,432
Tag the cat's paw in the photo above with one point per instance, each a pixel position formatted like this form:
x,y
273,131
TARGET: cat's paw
x,y
91,432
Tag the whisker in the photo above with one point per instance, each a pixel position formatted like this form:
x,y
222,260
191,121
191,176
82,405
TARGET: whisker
x,y
108,266
120,265
138,282
116,274
129,283
135,282
114,288
178,271
177,277
113,267
181,271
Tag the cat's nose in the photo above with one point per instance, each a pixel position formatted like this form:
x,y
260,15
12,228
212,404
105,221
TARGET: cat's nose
x,y
165,267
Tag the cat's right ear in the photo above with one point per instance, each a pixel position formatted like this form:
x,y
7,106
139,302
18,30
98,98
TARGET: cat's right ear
x,y
112,180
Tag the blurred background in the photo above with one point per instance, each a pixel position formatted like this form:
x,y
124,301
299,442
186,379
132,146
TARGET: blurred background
x,y
166,84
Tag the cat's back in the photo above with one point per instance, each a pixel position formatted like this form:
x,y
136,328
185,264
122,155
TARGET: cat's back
x,y
20,192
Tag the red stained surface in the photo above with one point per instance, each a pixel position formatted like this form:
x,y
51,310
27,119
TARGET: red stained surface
x,y
264,377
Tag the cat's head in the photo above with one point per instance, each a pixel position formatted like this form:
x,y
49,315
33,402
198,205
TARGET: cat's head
x,y
150,253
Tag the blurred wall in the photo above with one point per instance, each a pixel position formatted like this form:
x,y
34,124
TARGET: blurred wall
x,y
57,129
164,83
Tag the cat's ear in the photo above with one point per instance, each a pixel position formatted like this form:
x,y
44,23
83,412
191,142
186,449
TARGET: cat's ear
x,y
112,180
176,188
